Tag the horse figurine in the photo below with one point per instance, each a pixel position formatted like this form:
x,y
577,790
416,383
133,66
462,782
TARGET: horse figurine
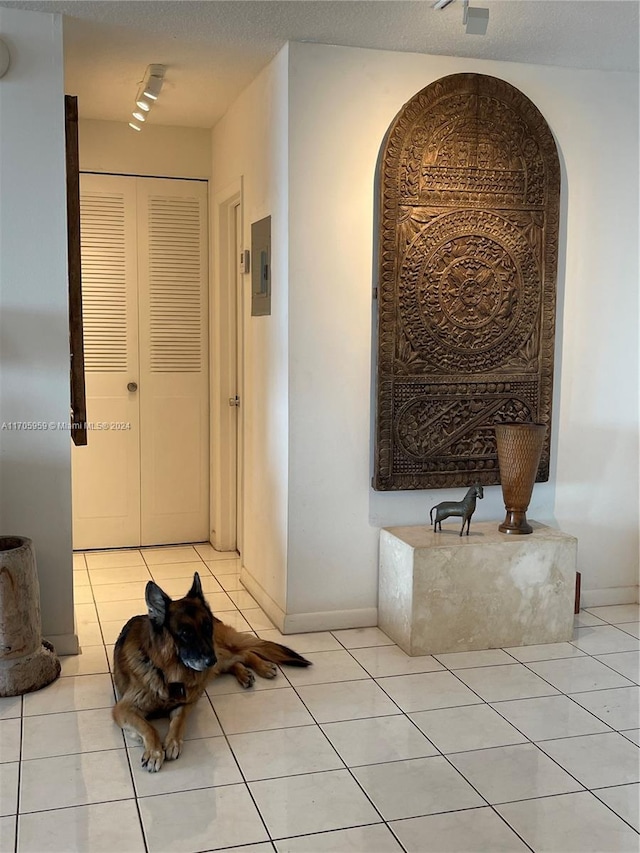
x,y
464,508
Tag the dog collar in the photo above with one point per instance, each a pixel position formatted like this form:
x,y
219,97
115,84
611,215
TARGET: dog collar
x,y
177,690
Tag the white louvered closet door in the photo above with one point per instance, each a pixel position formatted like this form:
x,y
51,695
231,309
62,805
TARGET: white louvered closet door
x,y
106,473
144,285
174,410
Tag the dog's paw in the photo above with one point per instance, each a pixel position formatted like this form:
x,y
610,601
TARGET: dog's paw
x,y
172,749
245,677
152,759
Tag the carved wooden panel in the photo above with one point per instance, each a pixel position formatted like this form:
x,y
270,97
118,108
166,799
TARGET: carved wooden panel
x,y
468,245
76,341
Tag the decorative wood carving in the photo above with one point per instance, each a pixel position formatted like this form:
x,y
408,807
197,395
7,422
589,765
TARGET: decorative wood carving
x,y
76,341
468,246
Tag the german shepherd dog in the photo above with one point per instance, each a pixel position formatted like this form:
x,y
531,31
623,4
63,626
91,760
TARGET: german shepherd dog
x,y
162,662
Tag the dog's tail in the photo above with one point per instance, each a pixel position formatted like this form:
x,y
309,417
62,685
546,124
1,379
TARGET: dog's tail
x,y
242,641
277,653
431,514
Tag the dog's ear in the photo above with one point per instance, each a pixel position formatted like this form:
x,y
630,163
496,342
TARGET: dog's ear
x,y
157,603
196,588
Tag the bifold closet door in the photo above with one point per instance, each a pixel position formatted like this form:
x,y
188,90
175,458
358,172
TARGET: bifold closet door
x,y
106,472
143,479
174,409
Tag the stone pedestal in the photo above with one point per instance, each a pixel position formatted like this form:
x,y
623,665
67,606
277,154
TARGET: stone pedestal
x,y
440,592
27,662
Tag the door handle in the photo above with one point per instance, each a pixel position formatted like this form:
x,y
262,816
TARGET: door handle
x,y
234,401
132,386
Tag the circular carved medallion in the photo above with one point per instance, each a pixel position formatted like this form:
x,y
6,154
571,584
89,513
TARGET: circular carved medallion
x,y
469,291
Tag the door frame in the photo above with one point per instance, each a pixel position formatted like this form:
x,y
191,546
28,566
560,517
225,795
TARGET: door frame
x,y
226,342
133,327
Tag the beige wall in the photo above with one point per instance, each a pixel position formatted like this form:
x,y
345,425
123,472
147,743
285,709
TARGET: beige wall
x,y
341,103
35,464
250,145
158,151
312,519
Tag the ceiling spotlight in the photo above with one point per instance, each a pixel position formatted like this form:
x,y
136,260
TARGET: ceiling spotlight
x,y
475,20
152,83
148,91
144,105
152,89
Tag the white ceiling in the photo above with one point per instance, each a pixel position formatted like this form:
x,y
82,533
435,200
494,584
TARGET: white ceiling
x,y
214,49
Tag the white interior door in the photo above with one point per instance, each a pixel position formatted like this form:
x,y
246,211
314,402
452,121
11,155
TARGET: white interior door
x,y
226,371
174,399
106,472
237,495
144,480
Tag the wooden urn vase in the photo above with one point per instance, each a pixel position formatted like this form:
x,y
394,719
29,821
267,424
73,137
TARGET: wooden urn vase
x,y
519,449
27,662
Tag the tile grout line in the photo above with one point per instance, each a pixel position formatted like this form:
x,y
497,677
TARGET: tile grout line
x,y
486,702
19,784
242,776
593,792
439,753
127,758
349,769
224,734
443,755
585,788
368,675
559,737
559,691
135,795
512,828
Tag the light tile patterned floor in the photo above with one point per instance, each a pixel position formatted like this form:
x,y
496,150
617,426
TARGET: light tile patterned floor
x,y
368,751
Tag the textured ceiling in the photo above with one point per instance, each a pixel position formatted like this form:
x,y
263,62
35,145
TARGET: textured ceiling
x,y
214,49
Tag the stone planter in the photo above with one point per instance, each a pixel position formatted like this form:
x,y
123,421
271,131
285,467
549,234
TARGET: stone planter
x,y
27,662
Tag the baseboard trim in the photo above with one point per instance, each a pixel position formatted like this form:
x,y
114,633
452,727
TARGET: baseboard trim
x,y
64,644
612,595
273,610
303,623
330,620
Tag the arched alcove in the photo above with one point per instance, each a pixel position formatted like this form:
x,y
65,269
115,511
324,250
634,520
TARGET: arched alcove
x,y
467,244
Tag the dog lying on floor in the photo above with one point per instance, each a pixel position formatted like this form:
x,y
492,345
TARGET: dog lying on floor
x,y
162,662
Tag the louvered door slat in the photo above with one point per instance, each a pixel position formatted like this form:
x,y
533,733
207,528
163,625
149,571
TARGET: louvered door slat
x,y
106,473
175,289
174,353
104,284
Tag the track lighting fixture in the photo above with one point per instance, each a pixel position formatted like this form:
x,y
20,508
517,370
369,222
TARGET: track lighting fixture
x,y
153,81
148,92
474,19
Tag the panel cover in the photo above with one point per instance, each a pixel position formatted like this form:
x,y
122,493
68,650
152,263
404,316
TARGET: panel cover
x,y
468,244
